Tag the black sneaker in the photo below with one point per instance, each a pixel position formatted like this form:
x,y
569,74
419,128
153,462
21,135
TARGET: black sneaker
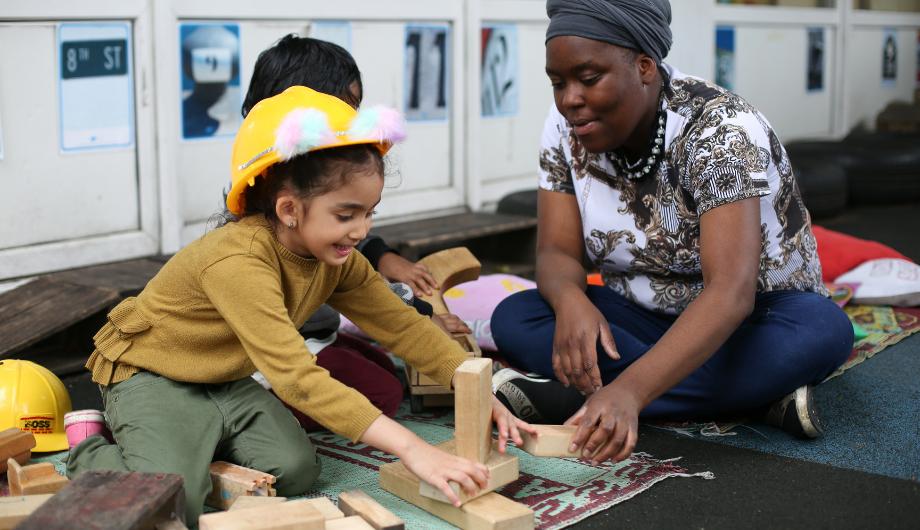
x,y
796,414
535,399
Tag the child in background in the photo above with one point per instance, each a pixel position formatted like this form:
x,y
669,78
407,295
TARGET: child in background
x,y
329,68
174,363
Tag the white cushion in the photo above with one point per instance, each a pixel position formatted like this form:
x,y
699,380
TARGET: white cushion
x,y
887,281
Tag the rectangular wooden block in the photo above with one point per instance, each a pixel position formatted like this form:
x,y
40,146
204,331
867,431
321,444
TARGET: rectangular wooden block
x,y
356,502
114,500
503,469
551,440
17,445
473,409
489,512
355,522
290,515
230,481
33,479
14,509
247,501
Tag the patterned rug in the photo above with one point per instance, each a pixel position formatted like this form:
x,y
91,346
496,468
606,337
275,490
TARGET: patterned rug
x,y
560,491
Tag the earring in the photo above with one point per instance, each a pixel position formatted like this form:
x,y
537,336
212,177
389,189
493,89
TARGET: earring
x,y
291,224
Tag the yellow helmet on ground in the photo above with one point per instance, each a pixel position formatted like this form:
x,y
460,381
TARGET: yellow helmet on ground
x,y
298,121
33,399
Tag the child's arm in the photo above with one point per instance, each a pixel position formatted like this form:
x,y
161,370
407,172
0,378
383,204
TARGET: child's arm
x,y
430,464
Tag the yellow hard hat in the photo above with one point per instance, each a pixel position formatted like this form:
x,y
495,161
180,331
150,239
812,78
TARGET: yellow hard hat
x,y
33,399
298,121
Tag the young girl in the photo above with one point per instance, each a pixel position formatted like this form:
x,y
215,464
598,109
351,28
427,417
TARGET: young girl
x,y
174,363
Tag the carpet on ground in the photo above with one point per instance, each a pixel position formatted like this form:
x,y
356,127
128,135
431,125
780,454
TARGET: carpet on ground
x,y
560,491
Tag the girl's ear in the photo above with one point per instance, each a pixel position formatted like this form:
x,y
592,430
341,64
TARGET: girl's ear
x,y
287,207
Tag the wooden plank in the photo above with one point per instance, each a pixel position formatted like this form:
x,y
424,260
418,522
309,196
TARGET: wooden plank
x,y
33,479
473,409
489,512
290,515
356,502
551,440
126,277
112,500
43,307
355,522
322,504
503,469
248,501
452,229
14,510
17,445
230,481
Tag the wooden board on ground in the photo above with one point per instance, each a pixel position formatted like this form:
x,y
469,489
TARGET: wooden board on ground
x,y
489,512
126,277
112,500
503,469
33,479
356,502
355,522
14,509
17,445
43,307
552,440
230,481
290,515
247,501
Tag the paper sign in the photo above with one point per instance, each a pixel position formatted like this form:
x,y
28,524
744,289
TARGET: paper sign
x,y
815,60
889,57
334,31
210,79
500,77
95,85
725,57
427,72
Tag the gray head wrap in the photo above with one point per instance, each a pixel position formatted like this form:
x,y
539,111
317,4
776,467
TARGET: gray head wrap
x,y
637,24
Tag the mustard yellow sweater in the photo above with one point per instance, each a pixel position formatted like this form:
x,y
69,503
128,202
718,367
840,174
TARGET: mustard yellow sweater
x,y
231,303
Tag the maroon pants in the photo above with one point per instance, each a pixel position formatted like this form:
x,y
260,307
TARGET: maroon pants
x,y
363,367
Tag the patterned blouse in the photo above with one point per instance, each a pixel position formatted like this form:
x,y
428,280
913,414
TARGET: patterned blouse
x,y
643,234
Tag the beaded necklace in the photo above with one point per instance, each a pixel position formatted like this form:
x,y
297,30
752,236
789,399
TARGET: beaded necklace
x,y
644,165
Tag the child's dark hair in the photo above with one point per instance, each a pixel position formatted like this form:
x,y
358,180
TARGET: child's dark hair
x,y
302,61
307,176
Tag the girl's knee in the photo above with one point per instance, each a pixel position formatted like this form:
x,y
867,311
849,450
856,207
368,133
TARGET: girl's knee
x,y
296,471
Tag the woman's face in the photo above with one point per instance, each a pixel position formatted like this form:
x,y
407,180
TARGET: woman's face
x,y
601,89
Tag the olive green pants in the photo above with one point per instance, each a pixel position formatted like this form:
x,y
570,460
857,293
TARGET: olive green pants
x,y
165,426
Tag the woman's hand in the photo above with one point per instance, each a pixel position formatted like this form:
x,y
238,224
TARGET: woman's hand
x,y
508,425
579,324
437,467
450,323
416,275
608,425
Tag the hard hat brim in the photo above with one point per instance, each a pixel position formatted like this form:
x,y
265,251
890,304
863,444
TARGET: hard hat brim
x,y
50,443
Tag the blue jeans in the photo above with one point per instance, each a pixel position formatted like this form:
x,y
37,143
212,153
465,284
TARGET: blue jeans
x,y
792,338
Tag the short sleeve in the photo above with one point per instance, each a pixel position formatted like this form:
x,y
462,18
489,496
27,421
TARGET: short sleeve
x,y
728,156
555,170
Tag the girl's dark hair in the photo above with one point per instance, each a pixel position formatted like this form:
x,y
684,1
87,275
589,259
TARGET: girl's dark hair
x,y
302,61
307,176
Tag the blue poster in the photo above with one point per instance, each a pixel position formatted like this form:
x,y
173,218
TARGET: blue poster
x,y
427,72
334,31
725,57
500,76
210,79
96,89
815,60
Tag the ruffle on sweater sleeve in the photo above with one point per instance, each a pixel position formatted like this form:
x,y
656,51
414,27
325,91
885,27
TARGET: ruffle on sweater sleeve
x,y
113,340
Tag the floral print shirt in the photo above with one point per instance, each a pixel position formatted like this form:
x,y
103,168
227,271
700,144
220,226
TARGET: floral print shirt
x,y
643,234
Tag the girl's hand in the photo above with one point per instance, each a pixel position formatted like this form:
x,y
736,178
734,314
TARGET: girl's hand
x,y
416,275
450,323
508,425
437,467
578,327
608,425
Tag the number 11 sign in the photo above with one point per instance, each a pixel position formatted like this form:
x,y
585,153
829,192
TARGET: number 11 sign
x,y
95,86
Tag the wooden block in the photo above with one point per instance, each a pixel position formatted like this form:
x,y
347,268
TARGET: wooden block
x,y
551,440
325,506
489,512
230,481
290,515
449,268
503,469
33,479
15,509
244,502
114,500
473,409
356,502
355,522
17,445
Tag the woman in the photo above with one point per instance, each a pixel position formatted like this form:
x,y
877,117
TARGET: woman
x,y
684,199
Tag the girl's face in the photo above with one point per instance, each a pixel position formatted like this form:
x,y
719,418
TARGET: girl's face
x,y
328,226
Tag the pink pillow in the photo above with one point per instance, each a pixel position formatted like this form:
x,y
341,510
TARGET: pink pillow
x,y
840,253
